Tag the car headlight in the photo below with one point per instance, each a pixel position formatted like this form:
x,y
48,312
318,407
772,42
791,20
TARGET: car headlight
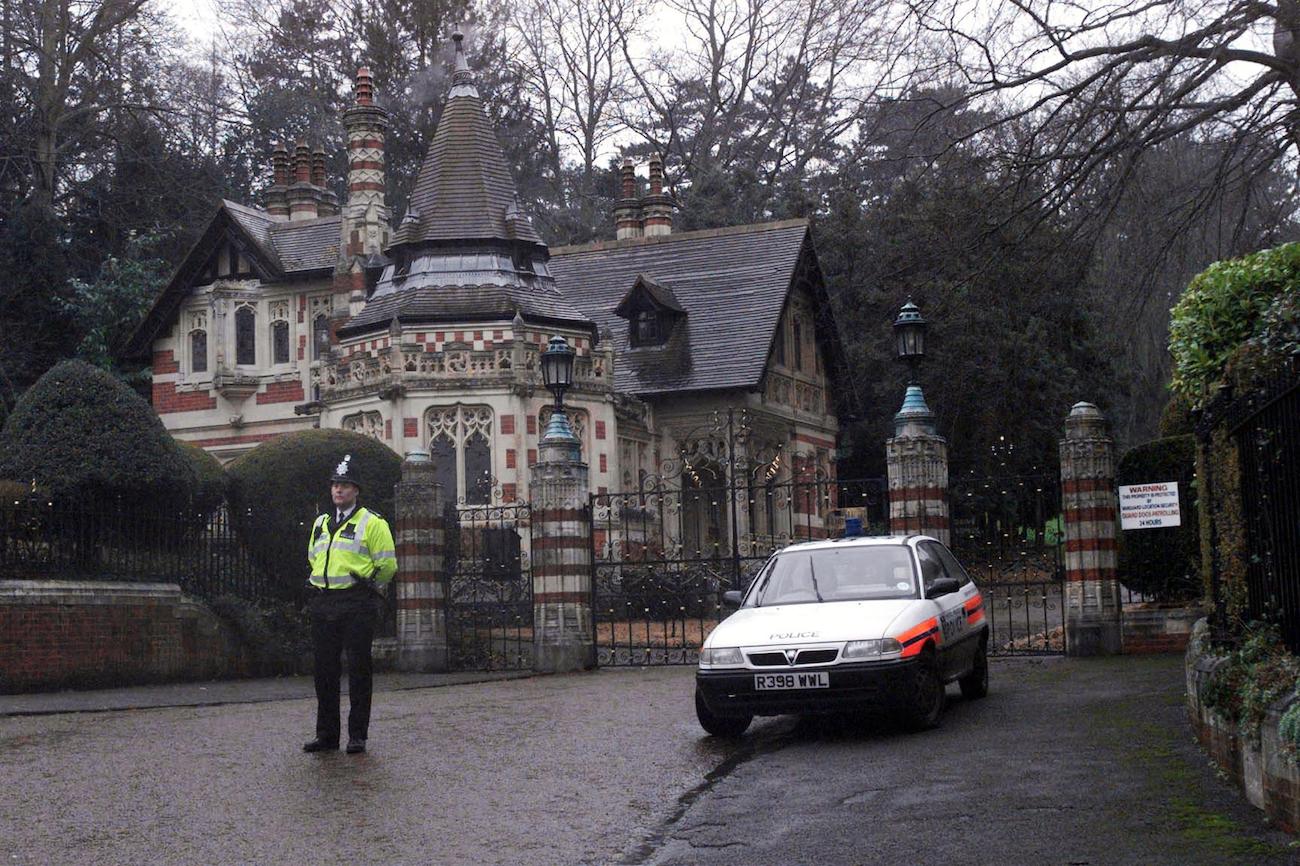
x,y
722,657
870,649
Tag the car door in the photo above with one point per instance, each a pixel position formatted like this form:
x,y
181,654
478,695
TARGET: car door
x,y
954,650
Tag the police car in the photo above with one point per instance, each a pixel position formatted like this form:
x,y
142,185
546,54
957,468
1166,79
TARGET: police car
x,y
846,624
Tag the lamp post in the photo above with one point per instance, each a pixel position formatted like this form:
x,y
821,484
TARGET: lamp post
x,y
909,337
557,375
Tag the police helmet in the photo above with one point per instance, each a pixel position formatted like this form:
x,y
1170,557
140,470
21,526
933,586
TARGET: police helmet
x,y
346,473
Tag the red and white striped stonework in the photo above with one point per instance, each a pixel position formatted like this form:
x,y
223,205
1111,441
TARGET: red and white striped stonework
x,y
1092,600
918,485
420,583
365,224
561,563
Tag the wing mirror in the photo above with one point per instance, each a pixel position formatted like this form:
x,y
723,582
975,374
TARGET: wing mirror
x,y
942,586
731,598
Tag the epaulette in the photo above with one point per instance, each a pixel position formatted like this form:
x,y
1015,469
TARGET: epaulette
x,y
376,513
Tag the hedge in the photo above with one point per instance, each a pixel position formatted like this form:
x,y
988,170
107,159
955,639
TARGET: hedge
x,y
1163,563
278,488
83,435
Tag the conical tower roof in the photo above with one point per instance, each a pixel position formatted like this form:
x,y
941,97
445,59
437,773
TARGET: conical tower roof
x,y
464,190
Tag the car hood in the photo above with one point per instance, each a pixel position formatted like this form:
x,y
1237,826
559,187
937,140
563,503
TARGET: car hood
x,y
813,623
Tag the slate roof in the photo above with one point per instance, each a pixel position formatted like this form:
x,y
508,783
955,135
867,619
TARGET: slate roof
x,y
464,190
731,282
465,303
307,245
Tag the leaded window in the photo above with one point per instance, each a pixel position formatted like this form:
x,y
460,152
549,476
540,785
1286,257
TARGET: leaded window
x,y
198,351
798,345
320,331
246,336
460,445
280,342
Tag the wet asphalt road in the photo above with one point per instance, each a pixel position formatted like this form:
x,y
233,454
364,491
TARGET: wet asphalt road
x,y
1065,762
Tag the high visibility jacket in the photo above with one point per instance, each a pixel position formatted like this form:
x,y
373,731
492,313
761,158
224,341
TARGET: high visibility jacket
x,y
363,544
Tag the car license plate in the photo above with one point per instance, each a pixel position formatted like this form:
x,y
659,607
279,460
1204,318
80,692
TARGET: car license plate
x,y
770,682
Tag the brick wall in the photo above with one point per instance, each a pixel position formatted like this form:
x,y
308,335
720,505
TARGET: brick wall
x,y
1158,629
166,399
282,392
60,634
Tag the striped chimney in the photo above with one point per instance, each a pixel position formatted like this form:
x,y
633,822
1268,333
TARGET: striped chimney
x,y
627,210
365,225
277,197
657,207
302,195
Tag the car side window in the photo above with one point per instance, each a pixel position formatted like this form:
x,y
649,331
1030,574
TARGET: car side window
x,y
931,567
950,564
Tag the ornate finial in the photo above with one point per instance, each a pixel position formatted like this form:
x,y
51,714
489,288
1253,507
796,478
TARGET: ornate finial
x,y
462,80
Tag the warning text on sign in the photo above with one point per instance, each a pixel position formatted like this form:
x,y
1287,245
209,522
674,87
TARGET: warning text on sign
x,y
1149,506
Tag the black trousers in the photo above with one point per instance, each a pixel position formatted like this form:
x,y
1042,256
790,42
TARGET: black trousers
x,y
342,619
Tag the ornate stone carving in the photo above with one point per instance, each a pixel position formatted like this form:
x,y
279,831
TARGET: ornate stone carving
x,y
366,423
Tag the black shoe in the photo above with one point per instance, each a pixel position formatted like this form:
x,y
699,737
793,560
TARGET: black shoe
x,y
319,745
356,746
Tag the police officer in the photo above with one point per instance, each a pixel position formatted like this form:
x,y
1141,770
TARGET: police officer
x,y
352,555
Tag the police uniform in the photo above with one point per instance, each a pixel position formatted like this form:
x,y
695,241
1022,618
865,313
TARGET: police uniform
x,y
351,554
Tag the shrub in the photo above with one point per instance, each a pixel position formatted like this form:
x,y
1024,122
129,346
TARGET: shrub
x,y
211,483
1252,678
1163,563
1223,307
1176,417
279,487
83,435
276,635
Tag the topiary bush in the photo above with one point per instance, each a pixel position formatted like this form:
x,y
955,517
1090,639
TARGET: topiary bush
x,y
1163,563
278,488
210,478
84,436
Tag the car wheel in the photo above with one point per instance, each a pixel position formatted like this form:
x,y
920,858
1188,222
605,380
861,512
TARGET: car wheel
x,y
975,684
926,698
719,726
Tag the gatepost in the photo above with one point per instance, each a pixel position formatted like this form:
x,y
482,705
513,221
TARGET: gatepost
x,y
561,552
1092,605
421,584
917,459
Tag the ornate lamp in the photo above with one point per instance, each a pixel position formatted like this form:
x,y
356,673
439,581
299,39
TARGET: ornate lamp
x,y
909,337
557,375
557,369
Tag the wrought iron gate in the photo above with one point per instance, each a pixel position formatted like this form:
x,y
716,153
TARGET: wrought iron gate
x,y
1008,532
663,555
490,586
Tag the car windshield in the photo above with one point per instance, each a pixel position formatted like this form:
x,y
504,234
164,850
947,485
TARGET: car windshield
x,y
849,573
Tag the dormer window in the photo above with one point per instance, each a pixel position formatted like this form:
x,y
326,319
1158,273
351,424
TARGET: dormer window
x,y
652,312
648,329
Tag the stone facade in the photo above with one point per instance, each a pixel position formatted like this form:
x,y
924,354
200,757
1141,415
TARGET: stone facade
x,y
917,460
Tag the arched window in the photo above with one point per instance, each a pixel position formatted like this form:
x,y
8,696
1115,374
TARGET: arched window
x,y
779,349
245,336
320,336
460,445
198,351
280,342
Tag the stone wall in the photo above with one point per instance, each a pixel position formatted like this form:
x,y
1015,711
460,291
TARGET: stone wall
x,y
1265,771
61,634
1158,629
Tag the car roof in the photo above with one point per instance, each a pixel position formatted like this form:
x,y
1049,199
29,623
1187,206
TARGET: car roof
x,y
857,541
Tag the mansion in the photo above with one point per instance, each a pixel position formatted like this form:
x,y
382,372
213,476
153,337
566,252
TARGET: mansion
x,y
425,332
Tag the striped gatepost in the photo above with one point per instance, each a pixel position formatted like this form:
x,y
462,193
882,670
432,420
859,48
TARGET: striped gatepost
x,y
421,584
1092,600
917,459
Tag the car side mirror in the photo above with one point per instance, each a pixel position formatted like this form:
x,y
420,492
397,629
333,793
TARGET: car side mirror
x,y
942,586
732,598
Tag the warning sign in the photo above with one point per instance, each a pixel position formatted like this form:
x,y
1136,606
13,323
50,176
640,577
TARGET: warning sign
x,y
1149,506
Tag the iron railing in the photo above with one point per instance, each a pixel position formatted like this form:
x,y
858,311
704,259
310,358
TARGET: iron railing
x,y
118,541
1265,426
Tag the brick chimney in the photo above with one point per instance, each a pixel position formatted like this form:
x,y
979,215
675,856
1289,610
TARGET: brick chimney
x,y
627,210
365,216
303,203
657,207
327,204
277,197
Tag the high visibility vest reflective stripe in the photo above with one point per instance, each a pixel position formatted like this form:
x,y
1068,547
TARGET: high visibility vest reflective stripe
x,y
366,549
